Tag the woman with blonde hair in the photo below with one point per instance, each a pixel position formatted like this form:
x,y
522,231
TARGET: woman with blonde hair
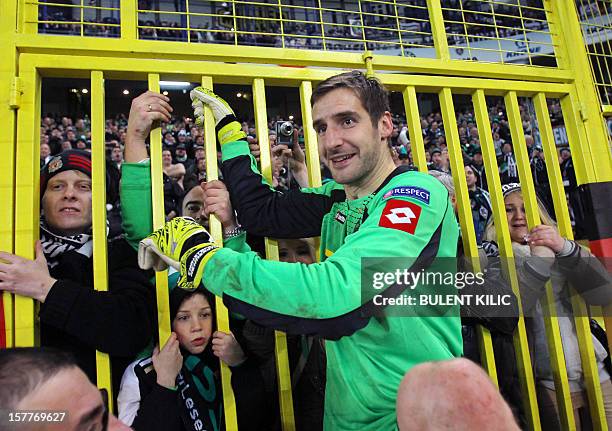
x,y
541,255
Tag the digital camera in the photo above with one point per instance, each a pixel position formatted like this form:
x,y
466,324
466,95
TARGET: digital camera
x,y
284,133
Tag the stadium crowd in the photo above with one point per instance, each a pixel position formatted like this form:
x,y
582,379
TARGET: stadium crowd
x,y
184,154
177,386
480,20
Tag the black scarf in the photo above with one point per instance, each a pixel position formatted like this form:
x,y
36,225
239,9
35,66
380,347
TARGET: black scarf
x,y
199,393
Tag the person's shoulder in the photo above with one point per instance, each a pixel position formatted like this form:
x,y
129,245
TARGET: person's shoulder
x,y
141,369
326,189
417,186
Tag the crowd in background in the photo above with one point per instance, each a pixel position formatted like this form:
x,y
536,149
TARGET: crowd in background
x,y
478,19
184,157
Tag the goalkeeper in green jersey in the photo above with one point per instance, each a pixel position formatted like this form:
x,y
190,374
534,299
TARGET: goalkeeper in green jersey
x,y
371,210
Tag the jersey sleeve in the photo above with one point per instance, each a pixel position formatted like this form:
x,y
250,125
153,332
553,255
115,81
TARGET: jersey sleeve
x,y
128,400
136,206
265,212
325,299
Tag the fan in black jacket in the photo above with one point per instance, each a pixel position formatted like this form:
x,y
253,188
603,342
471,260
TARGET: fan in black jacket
x,y
73,316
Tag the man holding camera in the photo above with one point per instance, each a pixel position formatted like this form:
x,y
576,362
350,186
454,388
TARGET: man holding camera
x,y
371,209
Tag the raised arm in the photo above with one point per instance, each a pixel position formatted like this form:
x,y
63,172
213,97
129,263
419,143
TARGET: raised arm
x,y
261,210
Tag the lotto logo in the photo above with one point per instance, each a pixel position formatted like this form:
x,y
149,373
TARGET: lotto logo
x,y
401,215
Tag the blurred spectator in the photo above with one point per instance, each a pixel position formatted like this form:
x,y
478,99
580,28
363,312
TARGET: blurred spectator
x,y
478,167
480,202
436,160
45,154
508,168
117,156
454,394
44,379
180,156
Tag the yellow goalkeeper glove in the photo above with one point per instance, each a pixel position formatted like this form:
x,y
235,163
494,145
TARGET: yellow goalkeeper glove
x,y
227,127
182,244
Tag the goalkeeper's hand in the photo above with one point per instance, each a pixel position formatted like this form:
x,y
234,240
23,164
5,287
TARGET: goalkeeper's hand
x,y
227,127
182,244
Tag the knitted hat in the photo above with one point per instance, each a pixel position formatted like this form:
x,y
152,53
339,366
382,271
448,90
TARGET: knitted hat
x,y
70,160
510,188
475,171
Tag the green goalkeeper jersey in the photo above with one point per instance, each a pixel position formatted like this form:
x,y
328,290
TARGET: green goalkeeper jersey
x,y
410,216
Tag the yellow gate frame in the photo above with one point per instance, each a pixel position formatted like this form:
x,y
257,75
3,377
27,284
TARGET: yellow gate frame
x,y
32,57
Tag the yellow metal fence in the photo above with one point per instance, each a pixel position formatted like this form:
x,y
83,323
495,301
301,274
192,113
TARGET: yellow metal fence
x,y
34,56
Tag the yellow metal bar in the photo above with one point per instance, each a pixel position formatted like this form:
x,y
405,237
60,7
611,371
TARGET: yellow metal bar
x,y
188,19
98,195
583,165
159,218
216,230
464,210
583,330
585,174
27,17
555,346
528,192
10,94
322,24
399,27
138,68
363,37
280,20
438,29
152,49
312,147
235,23
565,13
414,128
27,198
310,136
129,21
81,26
282,360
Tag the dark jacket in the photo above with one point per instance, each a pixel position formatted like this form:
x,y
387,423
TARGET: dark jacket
x,y
160,408
500,320
76,318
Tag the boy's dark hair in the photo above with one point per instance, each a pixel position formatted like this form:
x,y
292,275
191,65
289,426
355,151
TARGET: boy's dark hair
x,y
371,92
178,296
24,369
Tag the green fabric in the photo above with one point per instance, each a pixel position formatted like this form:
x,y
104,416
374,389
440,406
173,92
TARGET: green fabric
x,y
364,369
136,205
235,149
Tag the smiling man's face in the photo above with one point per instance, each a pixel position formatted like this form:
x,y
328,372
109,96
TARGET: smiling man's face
x,y
67,203
350,146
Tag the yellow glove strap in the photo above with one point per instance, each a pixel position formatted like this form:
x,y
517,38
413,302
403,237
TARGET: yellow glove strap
x,y
230,133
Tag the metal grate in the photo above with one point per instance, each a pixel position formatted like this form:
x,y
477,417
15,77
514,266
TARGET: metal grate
x,y
596,23
388,27
501,31
85,18
511,31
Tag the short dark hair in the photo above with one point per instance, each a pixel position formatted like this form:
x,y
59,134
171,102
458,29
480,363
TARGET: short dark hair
x,y
24,369
371,92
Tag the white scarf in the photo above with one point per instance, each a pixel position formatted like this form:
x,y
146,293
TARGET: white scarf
x,y
55,245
